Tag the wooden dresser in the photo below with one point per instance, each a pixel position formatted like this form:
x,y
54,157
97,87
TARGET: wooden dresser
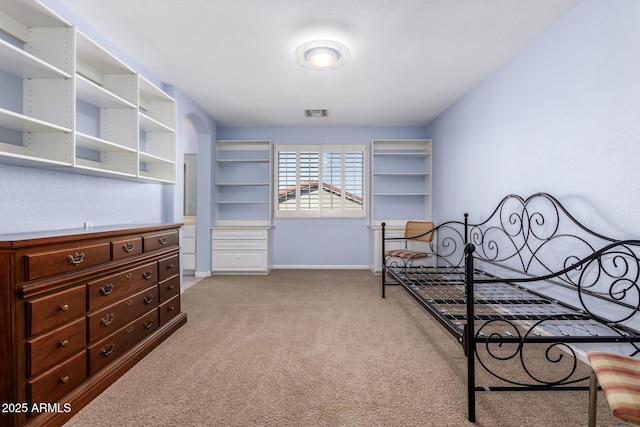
x,y
78,308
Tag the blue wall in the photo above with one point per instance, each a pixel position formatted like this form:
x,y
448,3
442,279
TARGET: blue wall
x,y
562,116
34,199
319,241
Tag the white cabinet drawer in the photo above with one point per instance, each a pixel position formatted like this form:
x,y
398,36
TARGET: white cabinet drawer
x,y
240,245
189,231
239,261
239,234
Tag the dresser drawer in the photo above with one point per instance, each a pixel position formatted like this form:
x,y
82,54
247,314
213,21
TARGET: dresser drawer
x,y
110,348
56,345
111,288
169,288
239,261
52,310
239,234
59,261
126,247
240,245
51,385
163,240
168,267
109,319
169,309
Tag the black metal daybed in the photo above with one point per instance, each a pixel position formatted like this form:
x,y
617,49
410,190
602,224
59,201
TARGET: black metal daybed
x,y
545,288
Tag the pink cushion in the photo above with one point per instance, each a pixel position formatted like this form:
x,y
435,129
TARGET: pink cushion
x,y
619,377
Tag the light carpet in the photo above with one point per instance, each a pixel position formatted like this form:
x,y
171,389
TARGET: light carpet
x,y
314,348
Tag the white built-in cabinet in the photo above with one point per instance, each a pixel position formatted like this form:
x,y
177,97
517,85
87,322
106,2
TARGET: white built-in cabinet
x,y
69,104
400,188
243,215
188,246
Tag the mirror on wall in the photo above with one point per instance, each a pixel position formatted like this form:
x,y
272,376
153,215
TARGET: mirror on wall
x,y
190,184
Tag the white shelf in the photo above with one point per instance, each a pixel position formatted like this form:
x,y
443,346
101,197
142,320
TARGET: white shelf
x,y
401,181
98,144
401,174
88,91
79,105
243,202
20,122
149,124
150,158
157,108
24,65
31,14
96,60
20,155
243,160
243,182
101,167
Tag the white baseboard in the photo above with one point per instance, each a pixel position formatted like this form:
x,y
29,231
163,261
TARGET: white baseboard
x,y
320,267
202,273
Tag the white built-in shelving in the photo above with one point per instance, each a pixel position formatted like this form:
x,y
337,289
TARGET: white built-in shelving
x,y
400,189
106,113
70,104
401,181
241,238
36,83
243,176
157,122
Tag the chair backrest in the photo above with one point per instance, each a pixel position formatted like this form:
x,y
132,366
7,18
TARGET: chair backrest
x,y
416,230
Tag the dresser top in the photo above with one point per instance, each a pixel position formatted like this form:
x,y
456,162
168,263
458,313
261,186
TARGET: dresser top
x,y
58,236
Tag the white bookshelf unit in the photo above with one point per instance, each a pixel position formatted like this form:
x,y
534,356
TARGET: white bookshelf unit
x,y
400,188
80,109
106,96
37,85
157,114
401,181
242,233
243,178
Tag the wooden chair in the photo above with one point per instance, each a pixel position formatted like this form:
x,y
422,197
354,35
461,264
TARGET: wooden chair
x,y
419,231
619,378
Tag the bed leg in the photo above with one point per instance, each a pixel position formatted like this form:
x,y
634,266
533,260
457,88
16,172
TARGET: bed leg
x,y
593,399
469,333
384,270
471,383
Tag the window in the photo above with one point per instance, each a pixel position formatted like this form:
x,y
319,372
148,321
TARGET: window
x,y
320,181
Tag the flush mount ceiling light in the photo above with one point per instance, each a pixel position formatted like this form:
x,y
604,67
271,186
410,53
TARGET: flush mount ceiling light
x,y
322,55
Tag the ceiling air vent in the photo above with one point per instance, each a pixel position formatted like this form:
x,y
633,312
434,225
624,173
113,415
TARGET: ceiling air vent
x,y
316,113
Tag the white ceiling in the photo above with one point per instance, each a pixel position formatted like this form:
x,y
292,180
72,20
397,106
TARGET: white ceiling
x,y
410,59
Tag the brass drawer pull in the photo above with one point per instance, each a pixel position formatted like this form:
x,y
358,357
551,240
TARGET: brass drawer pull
x,y
64,380
148,299
147,275
108,349
106,289
129,276
148,323
106,321
170,287
169,267
63,343
64,307
75,259
163,240
130,330
130,303
171,308
128,247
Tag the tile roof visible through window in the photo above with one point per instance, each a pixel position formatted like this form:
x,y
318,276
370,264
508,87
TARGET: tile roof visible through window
x,y
287,195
